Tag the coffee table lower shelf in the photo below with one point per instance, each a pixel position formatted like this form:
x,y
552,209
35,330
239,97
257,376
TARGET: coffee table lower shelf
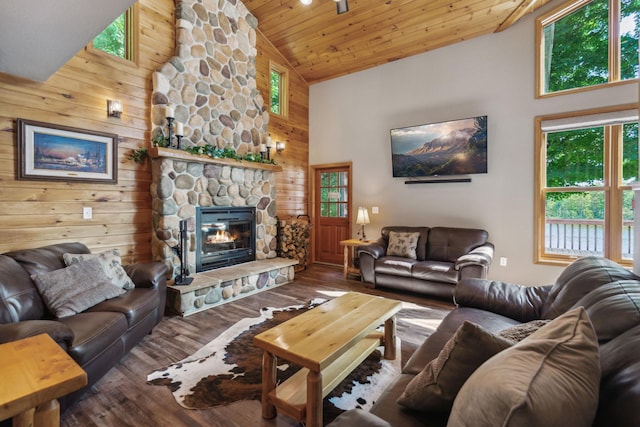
x,y
290,397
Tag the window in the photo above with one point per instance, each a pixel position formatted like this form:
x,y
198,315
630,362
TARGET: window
x,y
586,43
334,188
584,203
118,39
278,90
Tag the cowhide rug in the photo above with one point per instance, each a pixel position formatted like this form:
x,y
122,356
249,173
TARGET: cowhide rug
x,y
228,369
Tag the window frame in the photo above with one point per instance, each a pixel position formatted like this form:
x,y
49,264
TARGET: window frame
x,y
131,39
283,71
612,187
614,47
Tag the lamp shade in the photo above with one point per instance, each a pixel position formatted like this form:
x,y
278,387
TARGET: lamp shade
x,y
363,216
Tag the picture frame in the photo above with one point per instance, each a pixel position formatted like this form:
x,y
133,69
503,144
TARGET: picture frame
x,y
61,153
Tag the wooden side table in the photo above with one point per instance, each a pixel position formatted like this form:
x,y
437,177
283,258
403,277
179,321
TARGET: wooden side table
x,y
36,372
349,248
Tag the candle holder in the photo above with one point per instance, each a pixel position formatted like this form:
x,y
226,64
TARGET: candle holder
x,y
179,139
170,126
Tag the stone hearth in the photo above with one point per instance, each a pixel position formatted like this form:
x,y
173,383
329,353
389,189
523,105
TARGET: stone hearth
x,y
214,287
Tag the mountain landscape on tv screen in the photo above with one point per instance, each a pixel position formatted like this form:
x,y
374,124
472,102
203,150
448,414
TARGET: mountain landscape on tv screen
x,y
459,152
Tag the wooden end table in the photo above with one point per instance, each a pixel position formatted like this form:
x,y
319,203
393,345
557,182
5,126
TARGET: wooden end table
x,y
349,248
36,372
329,342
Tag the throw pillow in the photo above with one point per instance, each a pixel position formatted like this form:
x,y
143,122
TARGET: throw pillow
x,y
402,244
436,386
73,289
519,332
550,378
112,265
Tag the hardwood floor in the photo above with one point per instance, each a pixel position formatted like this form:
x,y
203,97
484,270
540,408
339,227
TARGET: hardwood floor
x,y
123,398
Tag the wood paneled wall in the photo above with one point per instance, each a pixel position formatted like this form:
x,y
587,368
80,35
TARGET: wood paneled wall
x,y
292,196
37,213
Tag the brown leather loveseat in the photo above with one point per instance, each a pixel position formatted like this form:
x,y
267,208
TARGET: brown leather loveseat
x,y
95,338
603,357
432,265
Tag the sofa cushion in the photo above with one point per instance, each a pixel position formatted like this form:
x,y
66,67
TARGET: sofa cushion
x,y
620,381
111,262
136,304
19,298
578,279
436,386
421,248
448,244
94,333
613,308
550,378
358,417
75,288
436,271
395,266
399,416
402,244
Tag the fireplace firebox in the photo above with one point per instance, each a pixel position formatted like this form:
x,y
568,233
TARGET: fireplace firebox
x,y
224,236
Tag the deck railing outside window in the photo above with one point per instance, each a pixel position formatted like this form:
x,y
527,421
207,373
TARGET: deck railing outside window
x,y
583,237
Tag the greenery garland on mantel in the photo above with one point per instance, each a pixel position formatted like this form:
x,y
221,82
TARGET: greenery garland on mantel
x,y
139,155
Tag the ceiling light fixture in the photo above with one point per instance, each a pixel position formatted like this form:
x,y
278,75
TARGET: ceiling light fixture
x,y
342,6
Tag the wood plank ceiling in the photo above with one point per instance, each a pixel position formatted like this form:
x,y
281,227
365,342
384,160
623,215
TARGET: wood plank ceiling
x,y
321,45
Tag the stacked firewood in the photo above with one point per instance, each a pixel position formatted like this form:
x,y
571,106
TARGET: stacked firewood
x,y
294,237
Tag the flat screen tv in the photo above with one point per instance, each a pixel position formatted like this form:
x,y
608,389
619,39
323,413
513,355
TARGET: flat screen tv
x,y
457,147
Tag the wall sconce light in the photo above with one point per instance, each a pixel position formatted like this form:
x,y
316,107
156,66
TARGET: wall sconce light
x,y
362,219
279,147
114,108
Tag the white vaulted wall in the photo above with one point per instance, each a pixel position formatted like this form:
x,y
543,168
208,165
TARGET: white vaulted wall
x,y
350,119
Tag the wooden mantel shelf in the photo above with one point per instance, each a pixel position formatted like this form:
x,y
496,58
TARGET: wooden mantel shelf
x,y
159,152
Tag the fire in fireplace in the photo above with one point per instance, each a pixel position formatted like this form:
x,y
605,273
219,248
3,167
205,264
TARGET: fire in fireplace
x,y
224,236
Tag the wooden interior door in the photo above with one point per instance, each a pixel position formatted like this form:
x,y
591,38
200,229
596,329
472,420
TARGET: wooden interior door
x,y
332,211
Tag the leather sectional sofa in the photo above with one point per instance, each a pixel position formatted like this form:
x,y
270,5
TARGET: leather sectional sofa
x,y
441,257
95,338
609,295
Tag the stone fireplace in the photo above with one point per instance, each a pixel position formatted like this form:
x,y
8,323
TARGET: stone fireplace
x,y
210,86
183,184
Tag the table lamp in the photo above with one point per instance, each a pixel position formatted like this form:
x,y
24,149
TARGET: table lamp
x,y
362,219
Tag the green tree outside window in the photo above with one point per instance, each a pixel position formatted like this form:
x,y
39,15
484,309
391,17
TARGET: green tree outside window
x,y
113,39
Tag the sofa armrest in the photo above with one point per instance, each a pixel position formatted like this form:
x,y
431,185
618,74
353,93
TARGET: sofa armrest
x,y
147,275
481,256
60,332
376,249
519,302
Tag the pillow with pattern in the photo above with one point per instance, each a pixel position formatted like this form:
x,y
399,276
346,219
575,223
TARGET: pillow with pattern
x,y
402,244
111,263
519,332
76,288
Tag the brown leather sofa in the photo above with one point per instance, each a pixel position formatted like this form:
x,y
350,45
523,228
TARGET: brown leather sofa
x,y
96,338
610,295
444,255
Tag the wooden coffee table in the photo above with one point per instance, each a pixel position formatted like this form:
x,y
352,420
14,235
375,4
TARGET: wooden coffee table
x,y
328,341
35,372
